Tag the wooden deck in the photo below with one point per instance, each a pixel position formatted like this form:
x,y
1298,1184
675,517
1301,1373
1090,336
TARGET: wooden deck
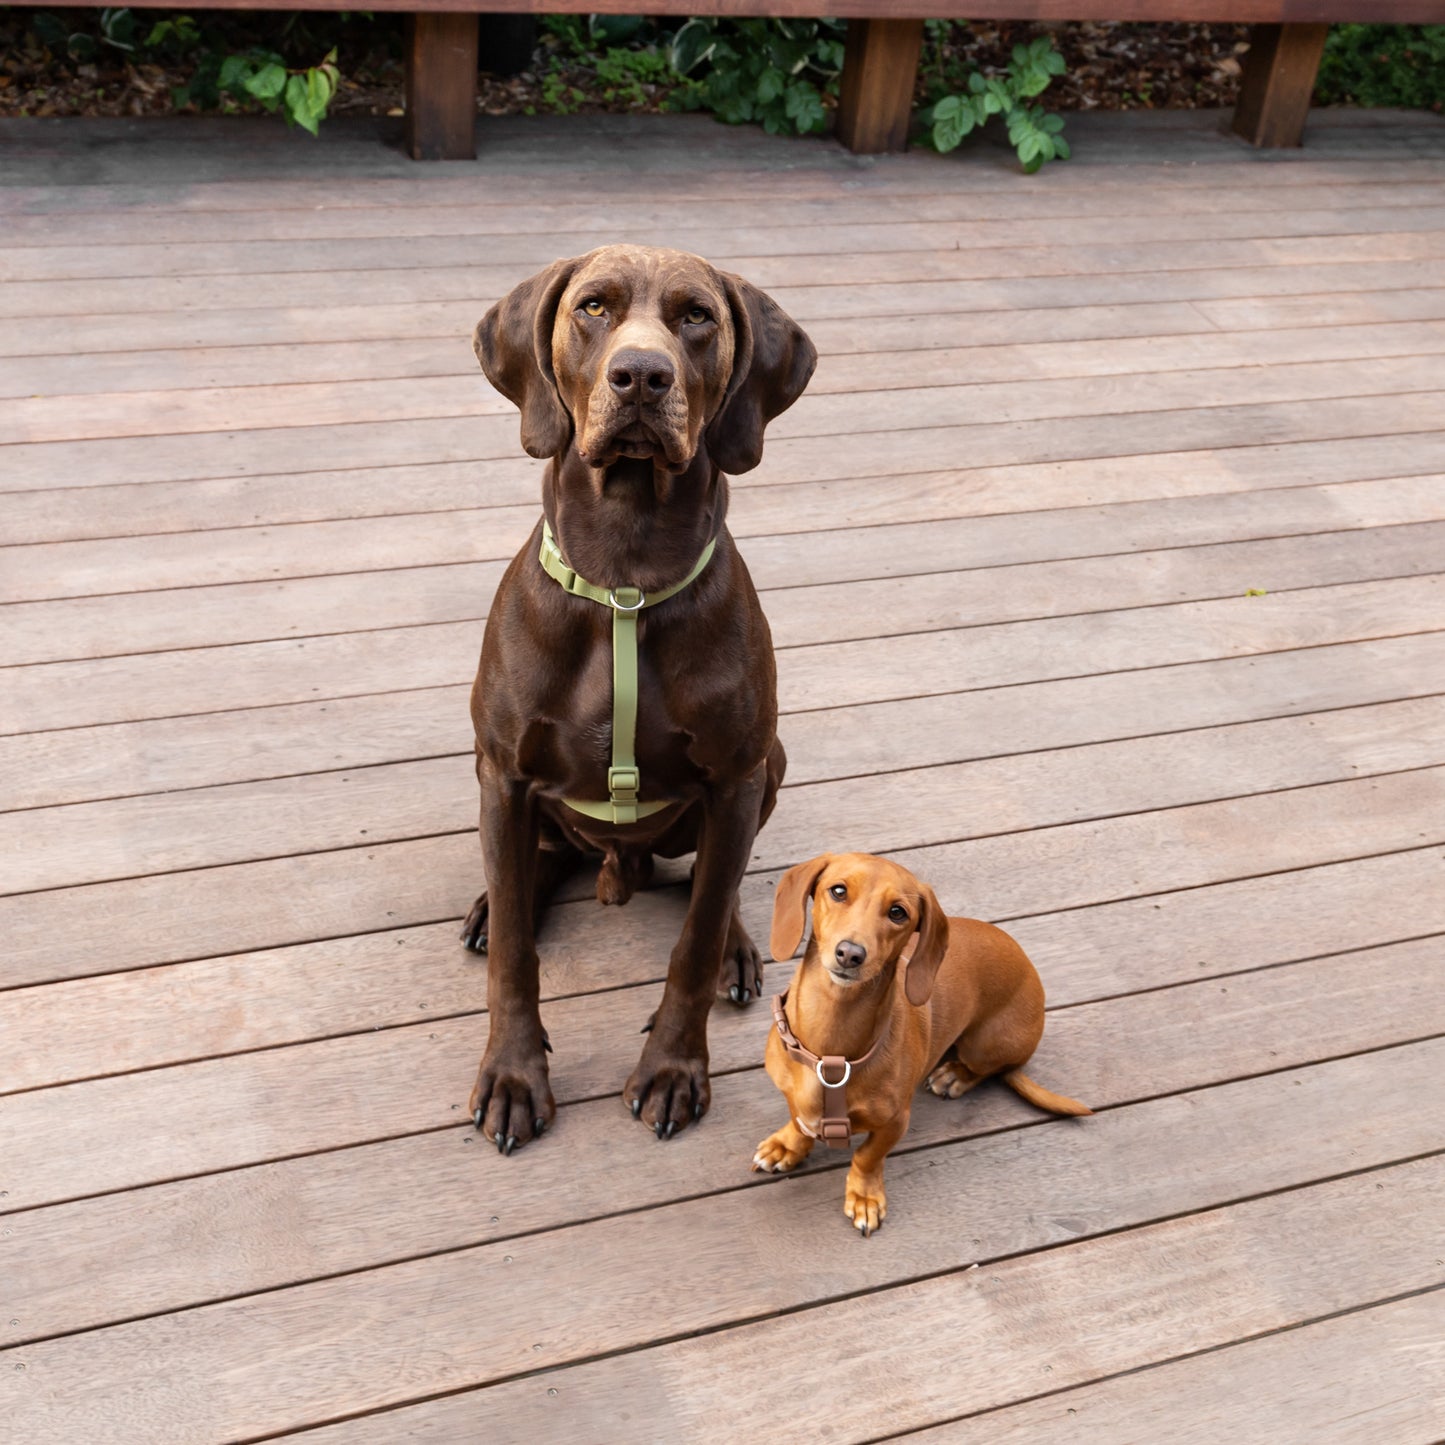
x,y
255,496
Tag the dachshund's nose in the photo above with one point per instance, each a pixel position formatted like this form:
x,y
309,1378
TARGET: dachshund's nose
x,y
850,954
642,376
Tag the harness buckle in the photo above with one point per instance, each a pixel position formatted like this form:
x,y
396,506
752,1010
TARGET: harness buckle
x,y
623,783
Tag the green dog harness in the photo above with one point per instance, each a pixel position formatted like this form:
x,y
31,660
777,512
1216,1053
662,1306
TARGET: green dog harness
x,y
624,782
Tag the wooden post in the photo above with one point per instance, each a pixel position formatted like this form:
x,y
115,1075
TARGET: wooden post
x,y
880,64
441,86
1279,78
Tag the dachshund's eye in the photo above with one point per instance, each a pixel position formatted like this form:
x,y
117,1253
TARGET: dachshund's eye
x,y
839,891
593,307
698,315
898,913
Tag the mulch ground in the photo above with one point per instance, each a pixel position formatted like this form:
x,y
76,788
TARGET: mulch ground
x,y
1110,66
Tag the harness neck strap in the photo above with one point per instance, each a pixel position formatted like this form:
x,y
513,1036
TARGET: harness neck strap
x,y
624,782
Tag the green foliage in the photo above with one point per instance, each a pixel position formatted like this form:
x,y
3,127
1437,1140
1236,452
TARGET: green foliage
x,y
1400,65
220,79
1036,135
774,72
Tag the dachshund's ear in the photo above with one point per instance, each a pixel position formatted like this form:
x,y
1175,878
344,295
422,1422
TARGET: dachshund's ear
x,y
772,362
928,953
513,341
794,890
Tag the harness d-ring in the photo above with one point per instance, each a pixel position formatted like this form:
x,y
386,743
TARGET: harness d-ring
x,y
834,1083
618,607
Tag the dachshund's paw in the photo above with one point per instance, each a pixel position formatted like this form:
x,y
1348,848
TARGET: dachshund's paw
x,y
741,976
512,1102
474,930
667,1092
865,1203
780,1152
951,1080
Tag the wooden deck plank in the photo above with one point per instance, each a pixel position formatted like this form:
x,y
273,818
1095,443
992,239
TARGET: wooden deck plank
x,y
76,765
110,927
478,488
1036,1324
227,373
855,235
108,461
1382,259
178,1013
305,1355
903,409
219,1114
896,808
1026,317
836,551
1371,1375
220,679
977,571
938,218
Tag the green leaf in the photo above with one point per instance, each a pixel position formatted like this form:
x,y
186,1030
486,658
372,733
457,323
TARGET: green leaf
x,y
1028,147
268,82
1061,148
770,84
234,70
976,82
1052,123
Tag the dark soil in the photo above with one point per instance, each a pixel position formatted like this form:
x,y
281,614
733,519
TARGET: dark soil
x,y
1110,66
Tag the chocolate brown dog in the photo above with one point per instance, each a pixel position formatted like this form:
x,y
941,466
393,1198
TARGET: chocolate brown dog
x,y
963,1003
642,377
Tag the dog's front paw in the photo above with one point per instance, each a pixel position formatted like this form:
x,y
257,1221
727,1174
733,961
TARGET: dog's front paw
x,y
865,1203
667,1091
780,1152
512,1101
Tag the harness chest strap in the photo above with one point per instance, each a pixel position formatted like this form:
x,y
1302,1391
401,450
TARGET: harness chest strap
x,y
623,778
834,1129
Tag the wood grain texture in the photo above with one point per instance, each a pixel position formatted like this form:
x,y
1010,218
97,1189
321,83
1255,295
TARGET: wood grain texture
x,y
499,1300
1353,1380
109,927
1037,1324
252,508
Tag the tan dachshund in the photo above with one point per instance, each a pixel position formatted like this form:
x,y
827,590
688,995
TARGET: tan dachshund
x,y
863,1009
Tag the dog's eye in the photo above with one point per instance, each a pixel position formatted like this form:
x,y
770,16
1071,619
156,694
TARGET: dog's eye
x,y
898,913
698,315
839,891
593,307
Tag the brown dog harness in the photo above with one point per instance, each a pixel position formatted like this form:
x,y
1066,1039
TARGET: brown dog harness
x,y
834,1129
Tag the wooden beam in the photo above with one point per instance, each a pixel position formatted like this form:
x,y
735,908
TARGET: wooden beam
x,y
441,86
1279,78
880,65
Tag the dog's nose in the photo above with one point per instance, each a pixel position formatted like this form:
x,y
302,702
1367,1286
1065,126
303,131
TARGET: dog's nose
x,y
645,376
850,954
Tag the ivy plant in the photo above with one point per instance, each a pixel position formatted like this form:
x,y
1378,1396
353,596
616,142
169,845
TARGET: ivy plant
x,y
1035,134
775,72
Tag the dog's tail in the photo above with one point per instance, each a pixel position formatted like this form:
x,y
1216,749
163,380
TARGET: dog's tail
x,y
1041,1097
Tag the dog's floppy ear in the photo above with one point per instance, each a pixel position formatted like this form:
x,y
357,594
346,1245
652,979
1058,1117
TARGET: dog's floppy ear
x,y
772,362
513,341
932,944
794,889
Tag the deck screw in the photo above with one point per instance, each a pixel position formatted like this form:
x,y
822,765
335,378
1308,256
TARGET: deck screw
x,y
550,1392
19,1367
506,1259
494,1219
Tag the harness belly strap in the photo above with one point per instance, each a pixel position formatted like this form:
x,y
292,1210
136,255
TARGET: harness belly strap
x,y
624,781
